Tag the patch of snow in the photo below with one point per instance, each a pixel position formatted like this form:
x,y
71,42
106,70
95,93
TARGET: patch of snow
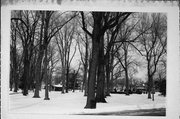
x,y
74,102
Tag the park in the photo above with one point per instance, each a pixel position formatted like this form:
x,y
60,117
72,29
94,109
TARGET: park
x,y
88,63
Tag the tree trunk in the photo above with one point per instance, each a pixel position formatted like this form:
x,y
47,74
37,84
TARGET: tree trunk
x,y
127,81
15,65
39,61
11,79
46,78
100,97
25,74
107,73
67,77
149,86
126,70
85,80
86,68
38,73
110,74
63,78
96,35
45,44
50,77
125,48
91,103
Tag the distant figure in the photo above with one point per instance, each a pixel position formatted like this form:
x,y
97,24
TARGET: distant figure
x,y
115,90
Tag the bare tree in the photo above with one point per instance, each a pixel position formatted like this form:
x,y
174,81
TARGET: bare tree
x,y
64,40
153,44
26,24
102,22
84,44
49,28
111,37
52,61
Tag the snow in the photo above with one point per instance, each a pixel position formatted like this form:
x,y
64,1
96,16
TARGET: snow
x,y
74,102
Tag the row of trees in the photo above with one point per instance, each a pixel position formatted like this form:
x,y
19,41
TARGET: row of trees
x,y
109,45
32,32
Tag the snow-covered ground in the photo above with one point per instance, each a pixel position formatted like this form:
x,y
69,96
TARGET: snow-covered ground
x,y
73,103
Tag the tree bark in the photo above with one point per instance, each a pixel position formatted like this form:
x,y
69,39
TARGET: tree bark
x,y
149,80
26,72
126,67
110,74
96,37
85,81
45,44
46,78
92,77
67,76
127,81
100,95
15,65
107,73
11,79
149,88
63,78
86,68
38,72
39,61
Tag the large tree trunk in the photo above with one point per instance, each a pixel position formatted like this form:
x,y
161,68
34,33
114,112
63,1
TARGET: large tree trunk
x,y
15,65
100,95
38,73
15,77
39,62
91,102
149,88
96,35
25,74
11,79
46,42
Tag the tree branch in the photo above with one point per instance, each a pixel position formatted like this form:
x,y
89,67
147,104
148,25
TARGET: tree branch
x,y
84,25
